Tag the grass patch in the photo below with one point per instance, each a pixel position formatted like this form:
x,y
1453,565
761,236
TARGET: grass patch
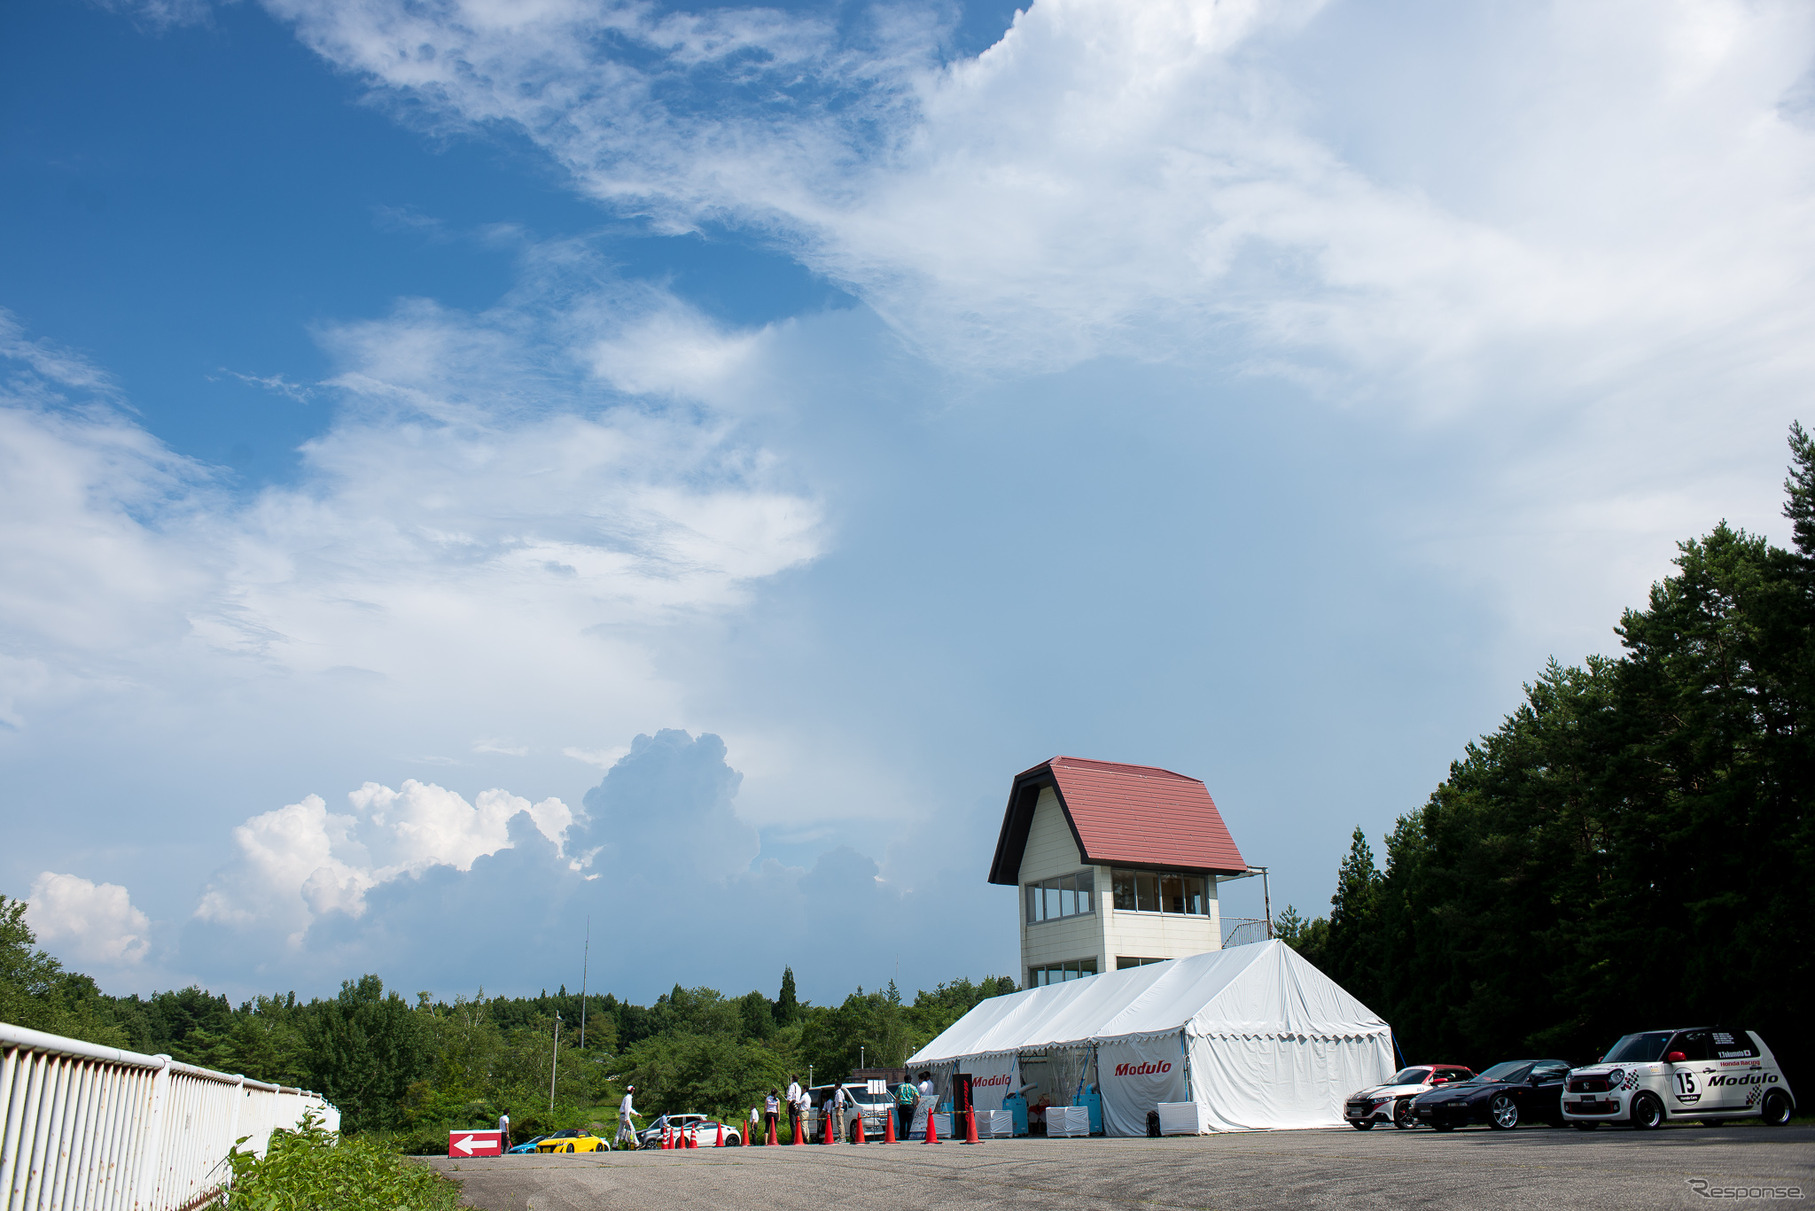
x,y
309,1169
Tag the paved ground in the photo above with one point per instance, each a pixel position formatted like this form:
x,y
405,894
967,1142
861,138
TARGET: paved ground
x,y
1532,1167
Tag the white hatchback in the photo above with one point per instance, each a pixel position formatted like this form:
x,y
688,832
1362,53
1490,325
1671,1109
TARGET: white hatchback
x,y
1705,1073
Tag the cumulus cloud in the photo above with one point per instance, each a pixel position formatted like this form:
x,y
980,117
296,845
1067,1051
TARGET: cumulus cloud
x,y
301,862
672,878
87,922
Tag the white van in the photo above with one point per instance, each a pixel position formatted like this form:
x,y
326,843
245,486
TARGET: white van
x,y
1704,1072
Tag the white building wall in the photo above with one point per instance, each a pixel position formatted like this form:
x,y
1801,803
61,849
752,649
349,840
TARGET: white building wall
x,y
1154,935
1051,850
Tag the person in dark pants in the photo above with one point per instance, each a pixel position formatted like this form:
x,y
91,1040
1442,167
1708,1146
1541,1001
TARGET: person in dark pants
x,y
905,1097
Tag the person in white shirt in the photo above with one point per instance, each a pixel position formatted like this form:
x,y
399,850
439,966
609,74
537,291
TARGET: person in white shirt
x,y
627,1112
802,1108
793,1100
771,1110
839,1100
503,1133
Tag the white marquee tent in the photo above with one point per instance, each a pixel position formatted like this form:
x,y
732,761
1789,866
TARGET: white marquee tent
x,y
1254,1035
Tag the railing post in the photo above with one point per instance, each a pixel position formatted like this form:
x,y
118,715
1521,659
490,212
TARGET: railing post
x,y
144,1193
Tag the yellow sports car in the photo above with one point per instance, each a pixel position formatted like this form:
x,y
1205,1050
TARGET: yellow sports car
x,y
573,1140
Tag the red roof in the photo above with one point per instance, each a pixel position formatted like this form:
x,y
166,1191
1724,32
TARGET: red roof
x,y
1136,815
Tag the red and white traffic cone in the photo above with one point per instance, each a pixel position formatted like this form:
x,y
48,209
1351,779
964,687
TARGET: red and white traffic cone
x,y
888,1127
932,1130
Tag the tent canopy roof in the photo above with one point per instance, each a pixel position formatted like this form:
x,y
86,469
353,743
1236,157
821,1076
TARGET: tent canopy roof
x,y
1262,989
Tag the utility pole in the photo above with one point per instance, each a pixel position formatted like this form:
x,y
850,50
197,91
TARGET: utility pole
x,y
554,1063
584,956
1266,898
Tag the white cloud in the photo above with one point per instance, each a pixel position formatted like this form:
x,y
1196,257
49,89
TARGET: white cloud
x,y
87,922
1576,239
1141,178
301,862
483,510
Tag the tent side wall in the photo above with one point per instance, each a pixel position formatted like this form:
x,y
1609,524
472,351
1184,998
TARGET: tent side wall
x,y
1274,1082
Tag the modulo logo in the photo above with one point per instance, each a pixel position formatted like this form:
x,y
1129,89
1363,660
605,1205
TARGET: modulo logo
x,y
1149,1068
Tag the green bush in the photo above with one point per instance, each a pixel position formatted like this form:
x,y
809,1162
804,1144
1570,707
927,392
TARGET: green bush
x,y
309,1169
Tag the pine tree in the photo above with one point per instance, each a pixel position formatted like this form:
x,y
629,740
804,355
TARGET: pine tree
x,y
787,1005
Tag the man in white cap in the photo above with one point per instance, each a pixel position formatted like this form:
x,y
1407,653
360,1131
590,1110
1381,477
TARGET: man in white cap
x,y
626,1112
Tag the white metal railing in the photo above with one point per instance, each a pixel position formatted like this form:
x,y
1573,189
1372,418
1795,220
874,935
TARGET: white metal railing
x,y
1243,931
96,1127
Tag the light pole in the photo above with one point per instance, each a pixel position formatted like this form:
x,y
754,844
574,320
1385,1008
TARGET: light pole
x,y
554,1063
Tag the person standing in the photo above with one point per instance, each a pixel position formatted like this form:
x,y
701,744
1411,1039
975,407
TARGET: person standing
x,y
838,1104
504,1133
794,1104
905,1097
802,1106
771,1111
626,1114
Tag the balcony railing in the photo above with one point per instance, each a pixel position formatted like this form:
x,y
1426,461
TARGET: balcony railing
x,y
1239,931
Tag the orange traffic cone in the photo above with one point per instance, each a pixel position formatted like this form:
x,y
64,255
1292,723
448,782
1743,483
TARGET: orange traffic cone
x,y
888,1127
831,1133
800,1130
970,1125
693,1137
665,1141
718,1140
771,1139
932,1129
857,1138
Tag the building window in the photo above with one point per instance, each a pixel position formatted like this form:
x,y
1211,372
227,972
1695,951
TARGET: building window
x,y
1058,973
1154,891
1065,896
1123,962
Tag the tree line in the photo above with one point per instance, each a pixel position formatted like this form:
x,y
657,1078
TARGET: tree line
x,y
1632,849
411,1070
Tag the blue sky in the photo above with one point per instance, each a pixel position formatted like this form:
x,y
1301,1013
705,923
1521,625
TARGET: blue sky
x,y
470,467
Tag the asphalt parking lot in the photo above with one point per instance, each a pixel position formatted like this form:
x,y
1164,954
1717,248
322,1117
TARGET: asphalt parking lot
x,y
1532,1167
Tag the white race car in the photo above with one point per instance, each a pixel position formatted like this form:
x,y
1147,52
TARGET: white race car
x,y
1705,1073
1392,1102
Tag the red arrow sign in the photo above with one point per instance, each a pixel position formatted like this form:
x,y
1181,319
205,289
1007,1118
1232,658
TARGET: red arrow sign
x,y
475,1143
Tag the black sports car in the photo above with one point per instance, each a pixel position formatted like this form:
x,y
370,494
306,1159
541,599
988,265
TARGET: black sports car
x,y
1502,1097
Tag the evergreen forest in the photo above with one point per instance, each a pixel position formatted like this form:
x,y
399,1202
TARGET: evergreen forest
x,y
1632,849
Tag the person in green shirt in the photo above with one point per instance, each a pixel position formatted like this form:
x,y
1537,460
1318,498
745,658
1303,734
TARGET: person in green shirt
x,y
905,1097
